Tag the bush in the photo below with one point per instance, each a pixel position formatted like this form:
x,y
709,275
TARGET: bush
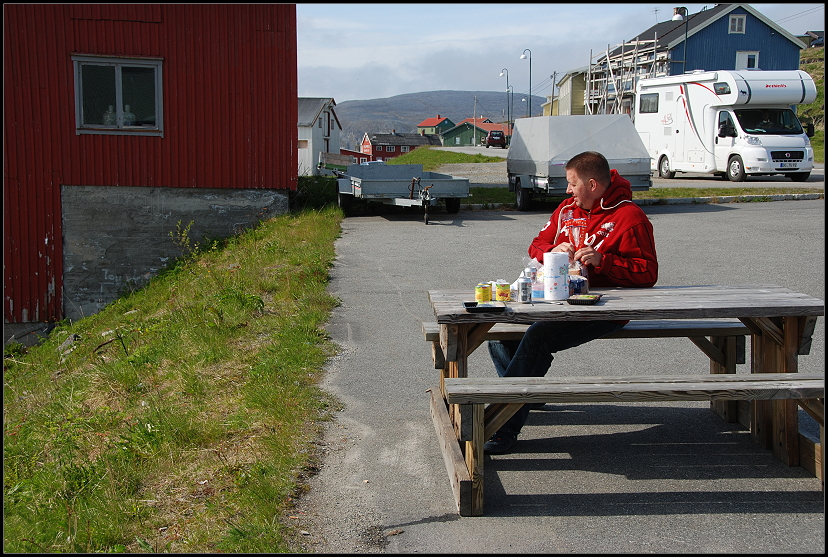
x,y
314,192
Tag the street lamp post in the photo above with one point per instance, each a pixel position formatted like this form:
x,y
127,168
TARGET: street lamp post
x,y
523,57
505,72
681,13
510,94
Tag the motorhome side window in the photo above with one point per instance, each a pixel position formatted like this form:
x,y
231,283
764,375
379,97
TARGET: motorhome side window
x,y
725,122
649,103
721,88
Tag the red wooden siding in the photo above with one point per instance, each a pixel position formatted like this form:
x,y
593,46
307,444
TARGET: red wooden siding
x,y
229,110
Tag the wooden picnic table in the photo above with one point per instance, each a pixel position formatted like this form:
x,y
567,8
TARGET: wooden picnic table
x,y
781,323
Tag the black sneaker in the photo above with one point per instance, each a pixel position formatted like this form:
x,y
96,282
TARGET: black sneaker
x,y
500,443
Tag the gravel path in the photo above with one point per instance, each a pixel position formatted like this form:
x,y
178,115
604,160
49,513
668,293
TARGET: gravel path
x,y
478,173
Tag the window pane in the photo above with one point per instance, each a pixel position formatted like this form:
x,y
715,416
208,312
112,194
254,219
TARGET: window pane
x,y
98,93
139,95
649,103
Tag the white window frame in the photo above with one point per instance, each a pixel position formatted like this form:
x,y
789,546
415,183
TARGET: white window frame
x,y
737,24
404,148
390,148
79,61
742,57
379,148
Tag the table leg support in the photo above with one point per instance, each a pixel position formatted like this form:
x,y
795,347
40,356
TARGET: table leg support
x,y
461,483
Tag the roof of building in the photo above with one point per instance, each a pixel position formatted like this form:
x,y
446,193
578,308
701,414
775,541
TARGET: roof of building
x,y
670,33
395,138
432,122
311,107
478,121
482,126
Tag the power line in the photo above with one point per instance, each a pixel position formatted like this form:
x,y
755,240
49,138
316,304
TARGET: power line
x,y
799,14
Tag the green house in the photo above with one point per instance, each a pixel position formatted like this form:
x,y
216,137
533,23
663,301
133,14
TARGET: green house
x,y
434,126
464,134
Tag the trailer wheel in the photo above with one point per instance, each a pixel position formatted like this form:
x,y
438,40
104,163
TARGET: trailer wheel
x,y
799,176
344,200
664,169
523,197
453,205
736,169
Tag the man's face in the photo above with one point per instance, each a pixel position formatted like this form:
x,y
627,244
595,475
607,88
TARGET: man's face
x,y
583,192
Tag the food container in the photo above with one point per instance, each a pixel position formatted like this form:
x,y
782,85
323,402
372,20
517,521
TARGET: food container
x,y
503,291
584,299
483,292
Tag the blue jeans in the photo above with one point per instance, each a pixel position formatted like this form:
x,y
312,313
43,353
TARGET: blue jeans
x,y
532,356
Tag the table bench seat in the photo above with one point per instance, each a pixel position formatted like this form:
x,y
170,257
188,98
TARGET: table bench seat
x,y
485,404
694,329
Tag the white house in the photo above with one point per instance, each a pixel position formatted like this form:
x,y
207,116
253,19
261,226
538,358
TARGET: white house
x,y
319,131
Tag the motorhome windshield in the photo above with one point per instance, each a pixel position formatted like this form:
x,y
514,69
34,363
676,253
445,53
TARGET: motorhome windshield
x,y
763,121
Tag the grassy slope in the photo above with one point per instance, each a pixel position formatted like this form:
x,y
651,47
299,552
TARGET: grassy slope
x,y
179,418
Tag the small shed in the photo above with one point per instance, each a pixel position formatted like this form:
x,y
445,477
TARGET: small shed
x,y
319,132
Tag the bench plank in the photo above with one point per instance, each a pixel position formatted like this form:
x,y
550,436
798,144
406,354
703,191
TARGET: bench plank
x,y
633,329
770,386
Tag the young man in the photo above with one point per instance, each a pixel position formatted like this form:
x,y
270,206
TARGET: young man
x,y
618,250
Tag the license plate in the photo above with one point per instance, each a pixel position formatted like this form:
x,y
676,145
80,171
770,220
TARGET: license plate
x,y
788,164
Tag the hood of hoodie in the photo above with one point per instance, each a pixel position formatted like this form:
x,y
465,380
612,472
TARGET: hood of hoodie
x,y
618,191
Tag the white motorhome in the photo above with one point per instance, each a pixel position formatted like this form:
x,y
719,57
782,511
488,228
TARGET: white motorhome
x,y
728,123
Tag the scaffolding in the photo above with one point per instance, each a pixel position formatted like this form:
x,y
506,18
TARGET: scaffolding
x,y
612,75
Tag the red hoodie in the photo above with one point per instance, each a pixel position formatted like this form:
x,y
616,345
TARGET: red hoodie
x,y
618,229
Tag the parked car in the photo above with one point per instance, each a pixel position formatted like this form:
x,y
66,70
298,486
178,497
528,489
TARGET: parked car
x,y
495,139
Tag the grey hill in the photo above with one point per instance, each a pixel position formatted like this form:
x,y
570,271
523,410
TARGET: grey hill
x,y
402,113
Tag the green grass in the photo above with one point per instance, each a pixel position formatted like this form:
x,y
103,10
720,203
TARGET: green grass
x,y
431,159
179,418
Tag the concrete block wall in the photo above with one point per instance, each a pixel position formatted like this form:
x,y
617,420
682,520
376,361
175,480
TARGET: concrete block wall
x,y
116,238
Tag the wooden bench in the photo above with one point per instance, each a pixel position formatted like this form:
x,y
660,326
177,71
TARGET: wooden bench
x,y
725,347
485,404
695,329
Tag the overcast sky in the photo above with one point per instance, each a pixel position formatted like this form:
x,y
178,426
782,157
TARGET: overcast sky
x,y
369,51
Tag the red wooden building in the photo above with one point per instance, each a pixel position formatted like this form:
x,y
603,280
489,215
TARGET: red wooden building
x,y
158,96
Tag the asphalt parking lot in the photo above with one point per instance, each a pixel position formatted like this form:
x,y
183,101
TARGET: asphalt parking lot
x,y
658,477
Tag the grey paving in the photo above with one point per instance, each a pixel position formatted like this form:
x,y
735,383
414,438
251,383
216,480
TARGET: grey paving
x,y
642,478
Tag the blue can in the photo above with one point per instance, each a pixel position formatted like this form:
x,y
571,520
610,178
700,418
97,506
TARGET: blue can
x,y
578,285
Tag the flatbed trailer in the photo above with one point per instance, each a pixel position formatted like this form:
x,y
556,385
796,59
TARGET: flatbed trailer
x,y
405,185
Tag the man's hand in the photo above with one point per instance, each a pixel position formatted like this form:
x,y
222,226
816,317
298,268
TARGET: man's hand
x,y
589,256
565,247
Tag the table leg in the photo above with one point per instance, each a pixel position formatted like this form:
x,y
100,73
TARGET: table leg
x,y
775,424
728,410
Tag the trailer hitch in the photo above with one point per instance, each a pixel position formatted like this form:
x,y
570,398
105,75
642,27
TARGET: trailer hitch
x,y
414,181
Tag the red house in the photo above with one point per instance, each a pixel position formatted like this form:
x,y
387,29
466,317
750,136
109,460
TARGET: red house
x,y
384,146
121,120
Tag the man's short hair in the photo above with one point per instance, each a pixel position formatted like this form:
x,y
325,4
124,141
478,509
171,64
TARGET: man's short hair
x,y
590,165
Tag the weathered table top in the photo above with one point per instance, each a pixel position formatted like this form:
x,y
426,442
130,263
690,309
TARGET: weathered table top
x,y
659,302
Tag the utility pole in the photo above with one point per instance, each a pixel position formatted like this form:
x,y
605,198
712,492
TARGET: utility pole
x,y
474,119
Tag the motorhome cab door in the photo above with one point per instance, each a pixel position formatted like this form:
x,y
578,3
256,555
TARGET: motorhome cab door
x,y
724,140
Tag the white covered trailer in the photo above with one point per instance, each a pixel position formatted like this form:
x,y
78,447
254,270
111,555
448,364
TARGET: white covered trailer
x,y
542,146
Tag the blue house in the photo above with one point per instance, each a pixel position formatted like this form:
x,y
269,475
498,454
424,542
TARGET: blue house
x,y
724,37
